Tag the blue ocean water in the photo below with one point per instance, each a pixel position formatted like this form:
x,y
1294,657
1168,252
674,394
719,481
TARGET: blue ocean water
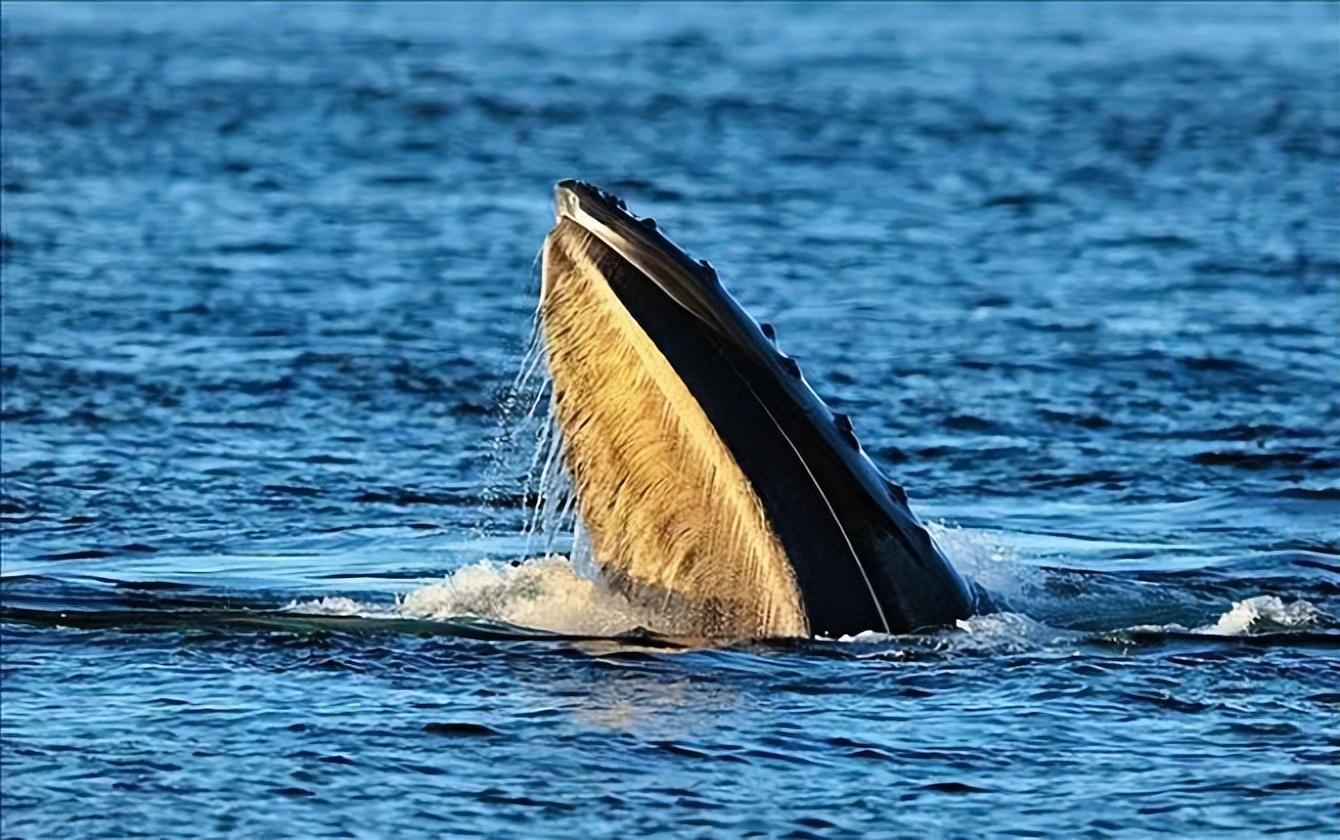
x,y
268,274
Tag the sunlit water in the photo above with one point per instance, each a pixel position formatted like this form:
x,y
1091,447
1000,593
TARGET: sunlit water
x,y
268,276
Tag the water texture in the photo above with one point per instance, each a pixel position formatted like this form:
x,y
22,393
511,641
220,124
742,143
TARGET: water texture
x,y
268,276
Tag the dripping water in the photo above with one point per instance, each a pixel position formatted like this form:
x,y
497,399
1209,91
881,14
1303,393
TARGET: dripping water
x,y
526,458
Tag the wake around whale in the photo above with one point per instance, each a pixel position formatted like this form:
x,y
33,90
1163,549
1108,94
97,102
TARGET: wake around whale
x,y
708,475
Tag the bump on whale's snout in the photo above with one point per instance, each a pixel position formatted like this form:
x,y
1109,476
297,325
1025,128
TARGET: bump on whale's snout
x,y
691,284
569,194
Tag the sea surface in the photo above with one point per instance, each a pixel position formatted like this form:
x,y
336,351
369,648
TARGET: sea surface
x,y
268,279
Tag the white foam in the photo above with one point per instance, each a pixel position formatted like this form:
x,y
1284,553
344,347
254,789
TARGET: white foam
x,y
1263,613
543,593
1003,632
863,637
330,605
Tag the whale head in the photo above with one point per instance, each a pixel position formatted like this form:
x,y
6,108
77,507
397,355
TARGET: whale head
x,y
710,478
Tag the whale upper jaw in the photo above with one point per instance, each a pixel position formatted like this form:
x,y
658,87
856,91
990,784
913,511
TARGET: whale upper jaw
x,y
693,285
859,557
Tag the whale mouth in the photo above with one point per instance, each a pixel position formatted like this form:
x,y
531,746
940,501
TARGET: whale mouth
x,y
709,477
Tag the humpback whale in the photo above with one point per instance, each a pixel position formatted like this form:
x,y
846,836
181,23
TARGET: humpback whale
x,y
707,473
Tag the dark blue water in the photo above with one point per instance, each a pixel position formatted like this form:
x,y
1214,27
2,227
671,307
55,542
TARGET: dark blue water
x,y
267,278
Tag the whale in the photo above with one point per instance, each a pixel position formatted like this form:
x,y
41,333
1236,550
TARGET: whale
x,y
710,479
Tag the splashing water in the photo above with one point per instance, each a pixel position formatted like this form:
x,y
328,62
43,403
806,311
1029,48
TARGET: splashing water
x,y
547,594
1255,615
1264,612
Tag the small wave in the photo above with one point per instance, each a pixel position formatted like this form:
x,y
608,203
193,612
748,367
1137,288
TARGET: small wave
x,y
984,557
996,633
330,605
1264,613
1032,579
1005,631
1251,616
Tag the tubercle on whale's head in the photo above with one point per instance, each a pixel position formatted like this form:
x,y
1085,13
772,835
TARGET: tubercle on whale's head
x,y
636,239
569,195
